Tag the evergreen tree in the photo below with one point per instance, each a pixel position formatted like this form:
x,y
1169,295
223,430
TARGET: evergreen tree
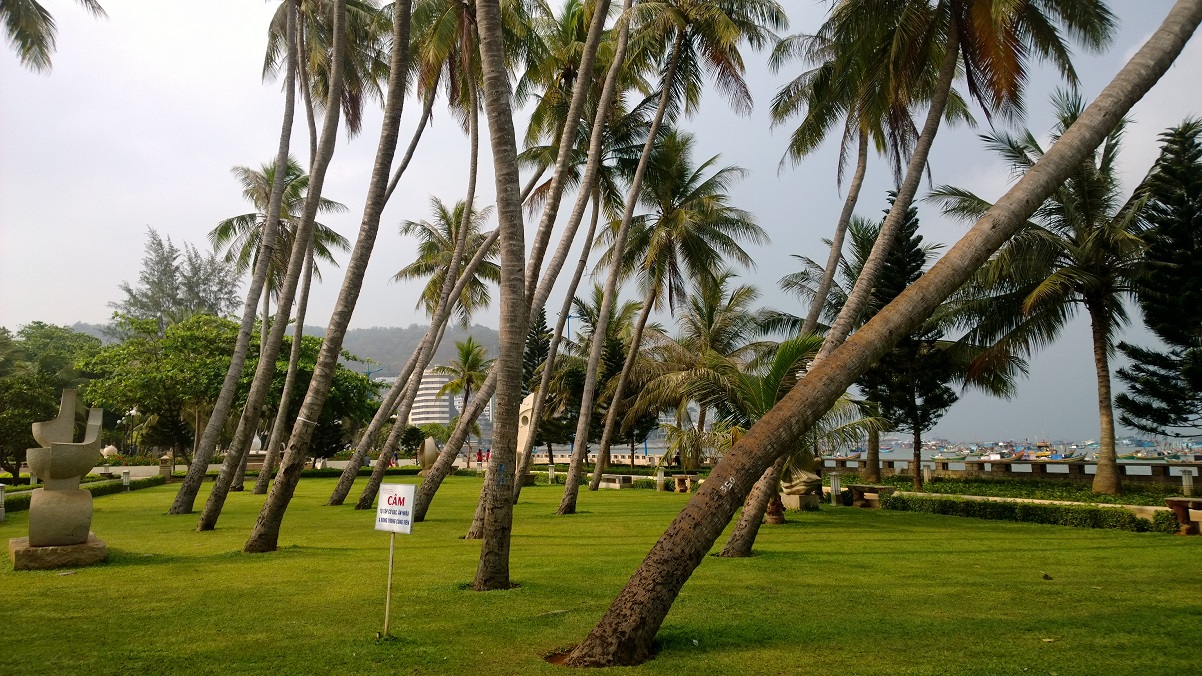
x,y
910,383
1165,386
538,347
176,284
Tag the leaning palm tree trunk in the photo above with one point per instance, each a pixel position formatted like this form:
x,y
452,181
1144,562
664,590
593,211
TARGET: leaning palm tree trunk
x,y
740,542
446,303
446,458
567,505
427,109
832,261
611,417
567,138
625,634
849,315
544,383
493,569
186,497
266,532
265,372
275,439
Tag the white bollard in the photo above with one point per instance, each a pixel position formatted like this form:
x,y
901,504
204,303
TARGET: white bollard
x,y
1187,483
551,474
927,475
836,491
659,478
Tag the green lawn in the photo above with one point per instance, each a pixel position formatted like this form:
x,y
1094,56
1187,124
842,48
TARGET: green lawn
x,y
839,591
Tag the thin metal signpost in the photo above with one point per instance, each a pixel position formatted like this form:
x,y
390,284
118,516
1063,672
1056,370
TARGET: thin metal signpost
x,y
394,514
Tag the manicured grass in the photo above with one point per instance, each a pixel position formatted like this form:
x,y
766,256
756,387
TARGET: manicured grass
x,y
838,591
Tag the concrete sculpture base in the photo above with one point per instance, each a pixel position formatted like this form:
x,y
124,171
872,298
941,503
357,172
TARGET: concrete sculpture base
x,y
60,518
25,557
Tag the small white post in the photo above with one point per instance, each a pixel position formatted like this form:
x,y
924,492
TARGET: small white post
x,y
1187,486
836,491
33,478
659,478
551,474
388,594
125,479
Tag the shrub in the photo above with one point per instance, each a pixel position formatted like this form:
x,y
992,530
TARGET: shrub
x,y
644,484
1080,516
20,501
1165,521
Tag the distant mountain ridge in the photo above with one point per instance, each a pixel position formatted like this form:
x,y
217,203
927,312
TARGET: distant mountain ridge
x,y
389,347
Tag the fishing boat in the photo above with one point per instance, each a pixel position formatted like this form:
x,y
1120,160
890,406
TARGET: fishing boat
x,y
1058,456
1002,456
845,456
946,455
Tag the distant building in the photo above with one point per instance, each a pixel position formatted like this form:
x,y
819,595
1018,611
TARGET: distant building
x,y
428,407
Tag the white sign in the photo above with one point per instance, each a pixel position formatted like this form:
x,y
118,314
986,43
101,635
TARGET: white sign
x,y
395,511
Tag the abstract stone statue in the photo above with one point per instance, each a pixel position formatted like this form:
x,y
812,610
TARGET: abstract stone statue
x,y
428,454
60,515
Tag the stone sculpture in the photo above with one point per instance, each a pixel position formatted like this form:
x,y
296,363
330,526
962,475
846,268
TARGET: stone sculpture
x,y
60,515
428,454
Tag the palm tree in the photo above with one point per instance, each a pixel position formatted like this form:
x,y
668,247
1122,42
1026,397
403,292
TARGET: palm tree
x,y
31,31
435,251
625,633
265,535
690,235
1080,249
991,42
840,85
240,235
186,496
718,320
743,395
365,66
702,35
467,370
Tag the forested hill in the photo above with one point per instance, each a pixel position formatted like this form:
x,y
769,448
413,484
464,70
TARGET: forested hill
x,y
389,346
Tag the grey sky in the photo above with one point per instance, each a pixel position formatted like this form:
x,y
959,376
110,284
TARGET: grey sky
x,y
145,113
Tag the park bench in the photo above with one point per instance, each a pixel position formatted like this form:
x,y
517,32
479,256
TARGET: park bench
x,y
616,481
685,482
860,493
1181,508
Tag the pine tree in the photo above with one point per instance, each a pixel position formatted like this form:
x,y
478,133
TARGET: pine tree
x,y
538,348
1165,387
910,383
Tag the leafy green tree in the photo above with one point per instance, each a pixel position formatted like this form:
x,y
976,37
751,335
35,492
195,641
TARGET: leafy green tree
x,y
412,439
176,284
35,365
31,31
171,379
1164,394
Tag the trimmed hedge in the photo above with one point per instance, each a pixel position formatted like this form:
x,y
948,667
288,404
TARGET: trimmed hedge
x,y
19,502
1080,516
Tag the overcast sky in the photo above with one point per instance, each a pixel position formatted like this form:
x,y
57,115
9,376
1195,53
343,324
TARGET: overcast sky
x,y
146,112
